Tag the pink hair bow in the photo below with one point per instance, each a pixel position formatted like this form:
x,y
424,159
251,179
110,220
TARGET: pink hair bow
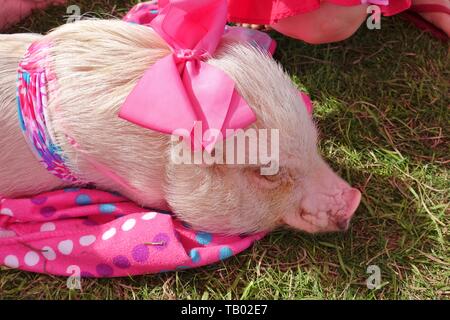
x,y
181,90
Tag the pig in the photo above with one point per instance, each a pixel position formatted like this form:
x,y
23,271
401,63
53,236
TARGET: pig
x,y
97,64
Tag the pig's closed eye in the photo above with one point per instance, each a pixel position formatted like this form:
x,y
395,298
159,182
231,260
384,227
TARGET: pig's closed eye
x,y
267,181
284,175
272,177
271,181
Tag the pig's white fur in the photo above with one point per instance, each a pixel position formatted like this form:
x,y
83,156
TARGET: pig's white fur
x,y
97,64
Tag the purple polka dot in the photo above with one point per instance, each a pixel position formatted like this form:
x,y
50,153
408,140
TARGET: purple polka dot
x,y
104,270
140,253
47,211
89,222
85,274
162,238
115,194
121,262
38,200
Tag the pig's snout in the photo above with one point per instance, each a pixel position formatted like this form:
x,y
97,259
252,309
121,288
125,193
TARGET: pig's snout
x,y
324,211
352,197
327,202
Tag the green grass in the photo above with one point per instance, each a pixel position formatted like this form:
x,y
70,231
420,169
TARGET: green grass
x,y
382,106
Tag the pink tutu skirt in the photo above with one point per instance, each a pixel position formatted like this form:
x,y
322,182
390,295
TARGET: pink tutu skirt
x,y
271,11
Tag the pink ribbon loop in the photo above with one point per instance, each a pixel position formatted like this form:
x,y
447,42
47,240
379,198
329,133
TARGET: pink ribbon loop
x,y
182,90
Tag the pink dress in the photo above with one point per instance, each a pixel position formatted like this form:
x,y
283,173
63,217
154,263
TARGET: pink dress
x,y
271,11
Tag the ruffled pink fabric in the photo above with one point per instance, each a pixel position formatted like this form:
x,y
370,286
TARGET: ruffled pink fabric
x,y
271,11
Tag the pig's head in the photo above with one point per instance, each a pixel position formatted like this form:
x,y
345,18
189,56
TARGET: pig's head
x,y
304,193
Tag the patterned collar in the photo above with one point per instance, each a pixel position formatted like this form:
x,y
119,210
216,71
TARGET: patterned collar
x,y
34,83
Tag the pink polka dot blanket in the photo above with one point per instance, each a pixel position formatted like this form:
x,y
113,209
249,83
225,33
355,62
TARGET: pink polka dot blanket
x,y
92,233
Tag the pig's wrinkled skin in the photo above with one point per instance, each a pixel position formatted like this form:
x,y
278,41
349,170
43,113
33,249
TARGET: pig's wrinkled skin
x,y
97,64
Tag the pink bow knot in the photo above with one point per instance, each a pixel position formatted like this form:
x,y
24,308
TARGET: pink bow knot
x,y
181,90
188,54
